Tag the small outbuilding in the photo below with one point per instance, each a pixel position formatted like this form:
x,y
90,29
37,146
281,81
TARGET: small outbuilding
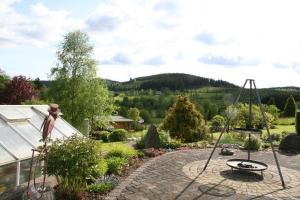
x,y
20,133
120,122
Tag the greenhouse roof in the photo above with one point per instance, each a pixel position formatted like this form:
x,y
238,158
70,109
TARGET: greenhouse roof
x,y
20,130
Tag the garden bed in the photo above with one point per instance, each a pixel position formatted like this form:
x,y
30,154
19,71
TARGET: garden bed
x,y
134,164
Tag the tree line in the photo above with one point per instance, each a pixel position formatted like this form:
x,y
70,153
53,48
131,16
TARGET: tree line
x,y
171,81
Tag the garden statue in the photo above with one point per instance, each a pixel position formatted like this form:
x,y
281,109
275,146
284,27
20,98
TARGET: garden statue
x,y
152,138
37,190
48,123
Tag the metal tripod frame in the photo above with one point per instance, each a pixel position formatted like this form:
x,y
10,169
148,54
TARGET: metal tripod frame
x,y
229,118
42,152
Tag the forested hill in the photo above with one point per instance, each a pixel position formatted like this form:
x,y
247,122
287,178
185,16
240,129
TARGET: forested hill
x,y
172,81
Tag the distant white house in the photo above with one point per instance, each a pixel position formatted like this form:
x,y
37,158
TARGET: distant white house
x,y
19,133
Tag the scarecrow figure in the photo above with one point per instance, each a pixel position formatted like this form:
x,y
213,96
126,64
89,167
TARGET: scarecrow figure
x,y
49,121
47,126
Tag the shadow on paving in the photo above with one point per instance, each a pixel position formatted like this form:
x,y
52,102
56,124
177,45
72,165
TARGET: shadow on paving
x,y
216,191
243,176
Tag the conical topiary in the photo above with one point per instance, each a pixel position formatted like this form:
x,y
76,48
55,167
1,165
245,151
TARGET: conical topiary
x,y
290,107
152,137
184,122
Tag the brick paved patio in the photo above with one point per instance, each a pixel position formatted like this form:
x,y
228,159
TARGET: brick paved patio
x,y
177,175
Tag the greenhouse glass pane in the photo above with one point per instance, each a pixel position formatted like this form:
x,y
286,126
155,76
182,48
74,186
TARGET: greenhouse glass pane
x,y
11,113
2,123
42,108
64,127
55,134
30,132
5,157
15,143
25,168
8,176
37,120
26,110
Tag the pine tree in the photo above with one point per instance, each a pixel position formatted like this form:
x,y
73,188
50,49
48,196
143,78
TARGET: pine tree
x,y
184,122
290,107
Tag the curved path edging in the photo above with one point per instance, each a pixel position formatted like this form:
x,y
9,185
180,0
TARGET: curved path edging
x,y
118,190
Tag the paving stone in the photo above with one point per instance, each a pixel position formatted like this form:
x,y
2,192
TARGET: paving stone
x,y
177,175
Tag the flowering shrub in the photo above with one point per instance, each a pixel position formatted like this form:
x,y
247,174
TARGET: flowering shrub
x,y
73,161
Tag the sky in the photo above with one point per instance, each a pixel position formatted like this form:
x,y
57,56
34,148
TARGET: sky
x,y
230,40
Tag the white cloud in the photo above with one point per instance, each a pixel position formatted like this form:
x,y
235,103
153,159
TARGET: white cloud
x,y
40,27
244,39
247,35
5,4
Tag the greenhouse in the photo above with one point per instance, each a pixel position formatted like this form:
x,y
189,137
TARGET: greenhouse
x,y
19,134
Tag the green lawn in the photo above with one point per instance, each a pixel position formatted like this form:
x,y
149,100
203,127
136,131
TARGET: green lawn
x,y
285,121
281,128
137,134
105,147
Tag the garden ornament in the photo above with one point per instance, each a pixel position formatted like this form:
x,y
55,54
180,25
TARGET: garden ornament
x,y
48,123
47,126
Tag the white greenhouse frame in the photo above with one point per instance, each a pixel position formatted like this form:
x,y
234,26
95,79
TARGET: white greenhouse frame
x,y
20,133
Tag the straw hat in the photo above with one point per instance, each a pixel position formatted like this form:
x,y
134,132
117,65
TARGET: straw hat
x,y
53,109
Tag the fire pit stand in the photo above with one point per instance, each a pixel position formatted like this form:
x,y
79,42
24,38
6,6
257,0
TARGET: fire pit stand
x,y
242,164
247,165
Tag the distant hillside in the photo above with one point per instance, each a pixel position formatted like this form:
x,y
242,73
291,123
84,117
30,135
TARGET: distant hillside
x,y
45,83
171,81
110,83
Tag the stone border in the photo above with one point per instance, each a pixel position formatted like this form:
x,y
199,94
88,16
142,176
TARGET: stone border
x,y
118,190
